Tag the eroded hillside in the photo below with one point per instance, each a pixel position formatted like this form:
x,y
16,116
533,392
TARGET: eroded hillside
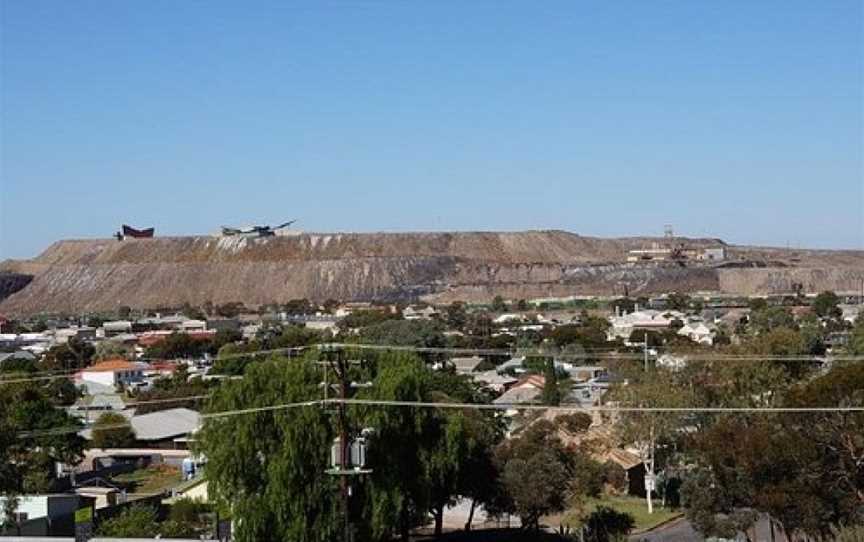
x,y
93,275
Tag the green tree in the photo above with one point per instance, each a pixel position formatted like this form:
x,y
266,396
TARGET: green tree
x,y
650,432
785,345
112,430
608,525
551,393
232,359
179,386
34,436
366,318
678,302
624,305
21,365
856,340
589,333
536,473
75,354
400,490
137,521
269,466
423,333
498,304
299,306
62,392
826,304
180,346
455,315
110,350
769,318
757,304
804,469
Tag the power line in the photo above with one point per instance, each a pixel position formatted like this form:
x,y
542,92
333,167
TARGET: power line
x,y
475,406
207,415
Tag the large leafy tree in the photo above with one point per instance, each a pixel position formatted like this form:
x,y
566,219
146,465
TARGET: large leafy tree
x,y
423,459
75,354
34,436
401,455
422,333
112,430
805,469
767,318
652,433
536,473
826,305
268,466
856,341
136,521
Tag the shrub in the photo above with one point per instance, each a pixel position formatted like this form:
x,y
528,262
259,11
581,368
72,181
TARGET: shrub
x,y
608,525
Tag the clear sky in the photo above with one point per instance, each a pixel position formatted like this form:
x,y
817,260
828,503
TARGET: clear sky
x,y
737,119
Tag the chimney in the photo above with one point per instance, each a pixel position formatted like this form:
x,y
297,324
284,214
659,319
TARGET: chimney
x,y
636,307
617,310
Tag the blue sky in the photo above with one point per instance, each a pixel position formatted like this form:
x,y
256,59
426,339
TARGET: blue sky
x,y
735,119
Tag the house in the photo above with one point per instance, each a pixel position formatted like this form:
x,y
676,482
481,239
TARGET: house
x,y
426,313
697,332
165,428
113,372
170,322
223,324
623,326
249,332
712,254
32,342
837,339
103,497
466,365
8,340
91,406
195,489
348,308
49,514
583,373
518,396
18,355
515,365
84,333
601,443
850,313
318,322
526,390
505,318
672,362
193,325
116,327
494,381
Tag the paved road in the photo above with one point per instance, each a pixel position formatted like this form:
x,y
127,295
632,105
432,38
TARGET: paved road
x,y
682,531
679,530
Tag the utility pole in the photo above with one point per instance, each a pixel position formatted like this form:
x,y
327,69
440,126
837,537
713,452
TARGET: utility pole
x,y
343,438
337,363
341,461
645,350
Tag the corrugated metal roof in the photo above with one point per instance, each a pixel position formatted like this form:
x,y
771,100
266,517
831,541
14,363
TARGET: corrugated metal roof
x,y
166,424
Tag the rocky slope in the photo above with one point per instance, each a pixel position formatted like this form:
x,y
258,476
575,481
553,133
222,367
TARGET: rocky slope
x,y
93,275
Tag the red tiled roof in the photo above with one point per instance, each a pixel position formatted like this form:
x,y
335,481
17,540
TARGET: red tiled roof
x,y
163,366
536,381
111,365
